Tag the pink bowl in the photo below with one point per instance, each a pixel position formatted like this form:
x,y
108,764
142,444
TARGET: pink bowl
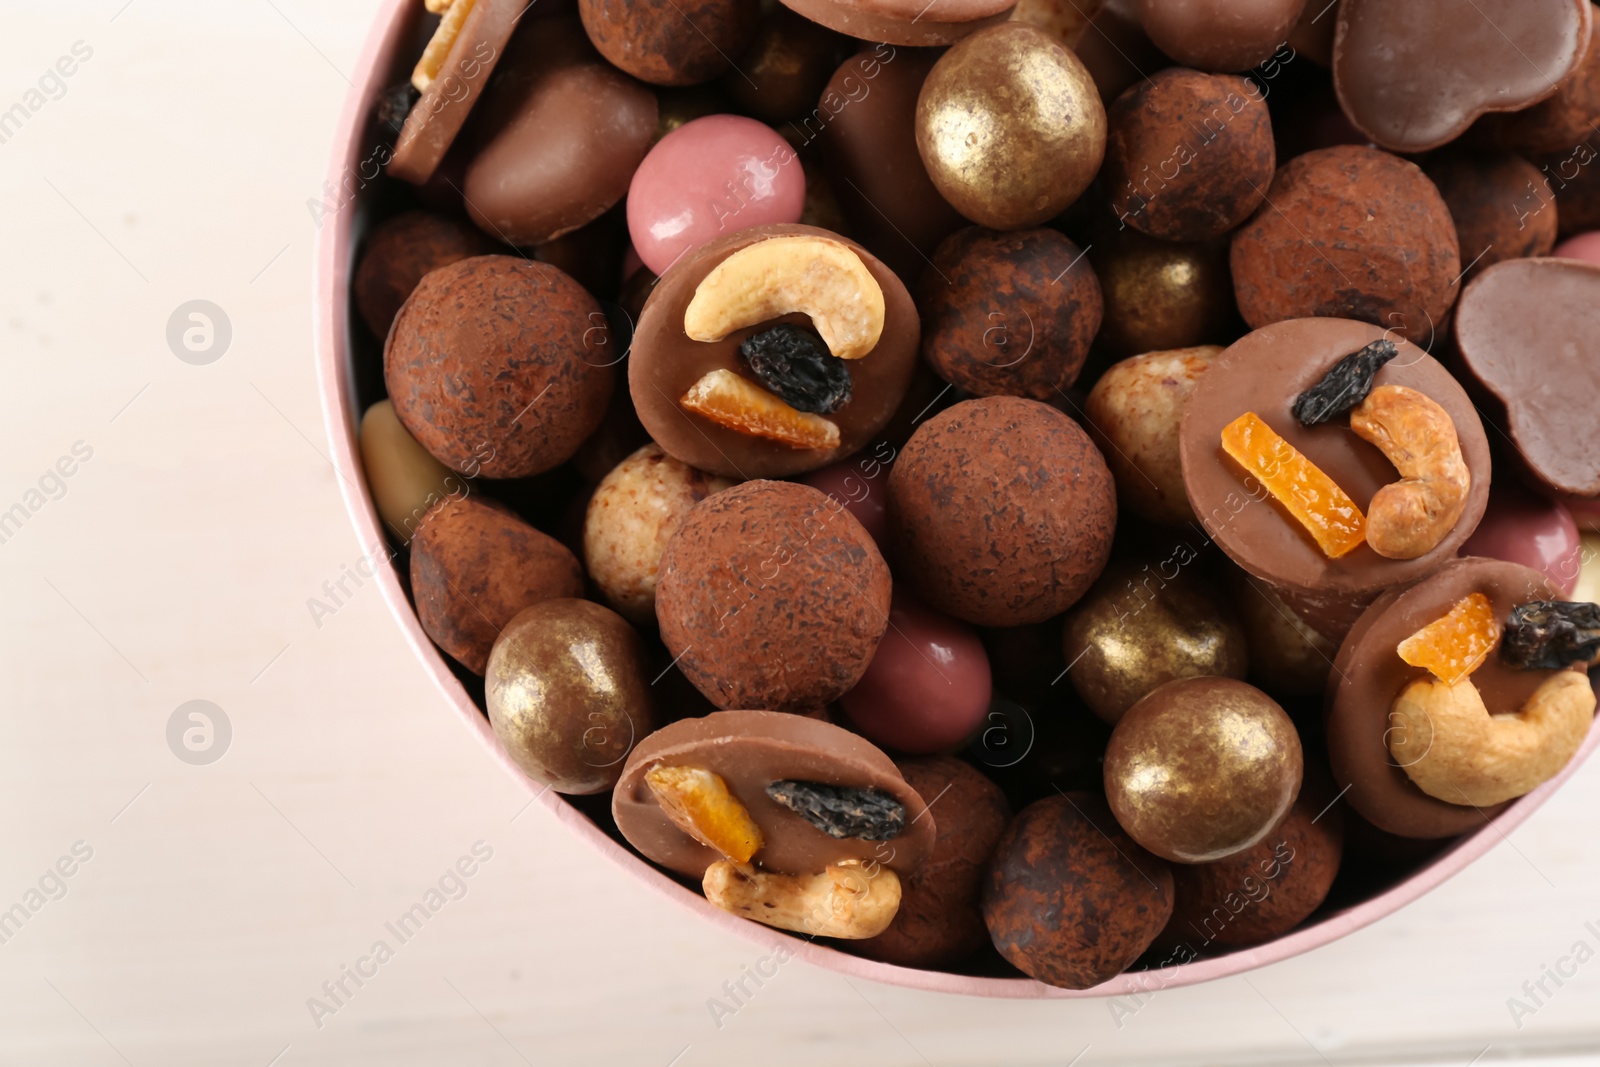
x,y
382,60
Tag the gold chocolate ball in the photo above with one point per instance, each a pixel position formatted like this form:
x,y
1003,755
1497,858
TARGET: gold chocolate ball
x,y
1010,126
1287,657
1143,625
568,695
1161,295
1203,768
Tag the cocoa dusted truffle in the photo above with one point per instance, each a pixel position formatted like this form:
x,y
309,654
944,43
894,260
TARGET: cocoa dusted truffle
x,y
400,251
1009,314
1496,202
1070,899
474,565
670,42
771,595
939,921
1265,891
1349,232
1188,155
1001,511
495,367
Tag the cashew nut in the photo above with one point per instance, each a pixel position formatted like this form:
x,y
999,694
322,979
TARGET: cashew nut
x,y
437,52
1453,749
820,277
1409,518
844,901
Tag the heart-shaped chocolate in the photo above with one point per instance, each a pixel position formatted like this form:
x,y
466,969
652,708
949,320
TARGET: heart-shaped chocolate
x,y
1414,75
1529,331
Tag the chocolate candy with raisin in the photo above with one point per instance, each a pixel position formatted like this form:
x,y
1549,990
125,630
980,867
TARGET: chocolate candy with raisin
x,y
815,794
1375,746
772,351
1265,373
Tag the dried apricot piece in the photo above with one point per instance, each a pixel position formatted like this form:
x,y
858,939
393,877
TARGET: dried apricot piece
x,y
1314,499
1454,645
698,803
732,402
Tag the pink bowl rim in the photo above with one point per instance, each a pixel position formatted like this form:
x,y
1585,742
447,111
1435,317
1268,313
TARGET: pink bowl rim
x,y
335,242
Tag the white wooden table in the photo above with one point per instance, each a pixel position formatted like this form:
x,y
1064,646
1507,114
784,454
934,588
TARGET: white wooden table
x,y
176,562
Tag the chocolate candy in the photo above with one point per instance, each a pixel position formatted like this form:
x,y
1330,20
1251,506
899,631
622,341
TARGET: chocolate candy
x,y
1264,372
1117,52
405,481
1009,314
1413,76
1532,530
771,594
567,694
496,366
1202,768
1010,126
1369,674
1558,122
904,22
436,119
1065,20
708,179
1349,232
1265,891
474,565
399,251
1499,205
927,688
1160,295
1188,155
784,69
865,121
861,486
632,515
1287,657
1524,331
1133,411
1070,899
670,42
560,134
939,922
1144,625
667,363
1223,35
751,750
1002,511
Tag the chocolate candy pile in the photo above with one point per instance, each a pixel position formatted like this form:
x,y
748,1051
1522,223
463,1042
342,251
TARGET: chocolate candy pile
x,y
763,386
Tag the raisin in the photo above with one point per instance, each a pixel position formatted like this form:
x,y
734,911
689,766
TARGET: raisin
x,y
394,106
1551,635
1345,386
842,810
797,366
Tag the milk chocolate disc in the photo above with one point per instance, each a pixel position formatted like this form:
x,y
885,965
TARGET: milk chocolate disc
x,y
665,362
1368,674
438,116
938,22
1264,372
1528,330
750,750
1414,75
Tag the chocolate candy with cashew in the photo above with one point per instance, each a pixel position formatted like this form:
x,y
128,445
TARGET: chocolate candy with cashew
x,y
699,397
789,820
1423,758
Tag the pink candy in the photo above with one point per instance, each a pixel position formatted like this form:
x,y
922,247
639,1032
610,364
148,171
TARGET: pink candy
x,y
1585,246
1521,527
928,686
862,485
707,178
